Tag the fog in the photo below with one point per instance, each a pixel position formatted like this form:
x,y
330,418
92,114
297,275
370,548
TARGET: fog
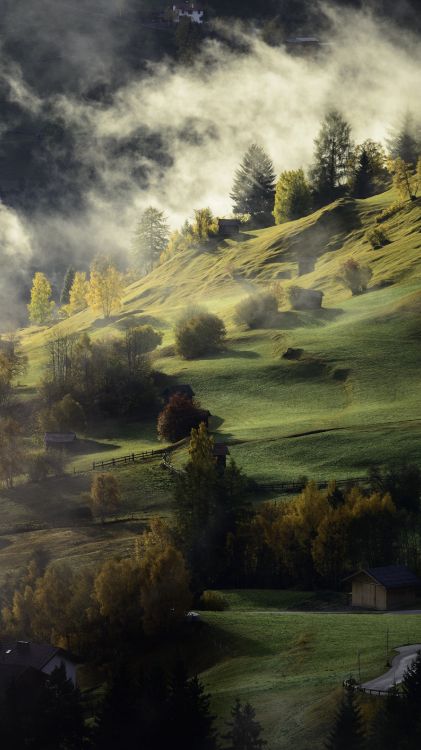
x,y
172,136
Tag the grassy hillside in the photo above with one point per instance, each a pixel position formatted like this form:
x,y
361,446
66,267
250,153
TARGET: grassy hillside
x,y
352,398
291,665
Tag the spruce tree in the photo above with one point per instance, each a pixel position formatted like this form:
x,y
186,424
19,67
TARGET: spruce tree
x,y
150,240
67,285
253,191
405,142
347,731
245,733
189,716
331,156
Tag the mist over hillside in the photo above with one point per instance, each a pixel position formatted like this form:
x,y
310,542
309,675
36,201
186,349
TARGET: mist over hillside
x,y
98,120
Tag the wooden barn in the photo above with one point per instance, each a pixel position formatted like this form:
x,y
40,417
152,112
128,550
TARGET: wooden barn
x,y
220,452
60,440
389,587
228,227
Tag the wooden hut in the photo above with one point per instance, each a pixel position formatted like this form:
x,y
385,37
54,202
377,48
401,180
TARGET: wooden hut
x,y
389,587
220,452
228,227
60,440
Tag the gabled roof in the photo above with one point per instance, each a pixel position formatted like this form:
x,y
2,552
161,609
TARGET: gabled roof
x,y
26,654
390,576
60,437
184,389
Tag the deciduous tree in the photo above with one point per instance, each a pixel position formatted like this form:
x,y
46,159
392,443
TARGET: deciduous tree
x,y
105,495
105,288
41,306
293,196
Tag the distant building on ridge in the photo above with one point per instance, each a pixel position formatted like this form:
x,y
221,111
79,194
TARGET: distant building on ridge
x,y
188,10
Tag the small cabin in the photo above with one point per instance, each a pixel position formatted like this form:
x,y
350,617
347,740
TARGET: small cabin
x,y
178,390
228,227
220,452
60,440
19,657
389,587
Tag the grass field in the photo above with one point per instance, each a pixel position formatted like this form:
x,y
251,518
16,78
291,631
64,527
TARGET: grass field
x,y
353,399
290,666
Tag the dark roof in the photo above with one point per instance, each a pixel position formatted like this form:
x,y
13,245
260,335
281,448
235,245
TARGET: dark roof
x,y
27,654
220,449
391,576
60,437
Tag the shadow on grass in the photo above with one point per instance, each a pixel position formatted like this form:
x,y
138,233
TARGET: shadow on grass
x,y
86,446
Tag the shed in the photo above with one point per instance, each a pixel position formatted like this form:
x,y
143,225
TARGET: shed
x,y
220,452
388,587
228,227
60,439
178,390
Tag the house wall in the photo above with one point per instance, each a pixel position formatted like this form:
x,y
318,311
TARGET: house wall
x,y
368,594
56,661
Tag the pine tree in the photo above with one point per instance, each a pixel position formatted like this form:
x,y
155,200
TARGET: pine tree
x,y
189,716
244,731
41,306
331,157
150,240
405,143
347,731
292,197
253,191
67,285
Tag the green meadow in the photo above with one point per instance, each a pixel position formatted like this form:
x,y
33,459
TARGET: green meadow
x,y
291,665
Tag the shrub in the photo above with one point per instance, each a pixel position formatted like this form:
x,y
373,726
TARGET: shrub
x,y
377,237
389,212
257,310
40,465
211,601
354,276
199,333
179,417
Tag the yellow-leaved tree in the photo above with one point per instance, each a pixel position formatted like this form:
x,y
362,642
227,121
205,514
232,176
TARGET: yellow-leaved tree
x,y
105,288
105,495
41,306
165,593
77,294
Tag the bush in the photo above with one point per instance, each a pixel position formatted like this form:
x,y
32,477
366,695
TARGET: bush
x,y
389,212
41,464
377,238
354,276
179,417
199,333
257,310
211,601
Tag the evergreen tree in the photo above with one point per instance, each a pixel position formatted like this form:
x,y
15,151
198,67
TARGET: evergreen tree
x,y
244,731
292,197
67,285
189,714
150,240
331,157
347,731
368,173
405,142
253,191
41,306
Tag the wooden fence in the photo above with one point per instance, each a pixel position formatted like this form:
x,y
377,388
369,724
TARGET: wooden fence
x,y
290,488
131,458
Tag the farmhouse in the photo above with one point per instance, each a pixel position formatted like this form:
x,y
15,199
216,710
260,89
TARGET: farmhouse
x,y
228,227
178,390
389,587
188,10
23,660
60,440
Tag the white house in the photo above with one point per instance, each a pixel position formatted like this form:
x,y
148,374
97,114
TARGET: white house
x,y
188,10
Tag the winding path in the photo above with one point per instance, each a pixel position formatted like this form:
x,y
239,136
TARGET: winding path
x,y
404,659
